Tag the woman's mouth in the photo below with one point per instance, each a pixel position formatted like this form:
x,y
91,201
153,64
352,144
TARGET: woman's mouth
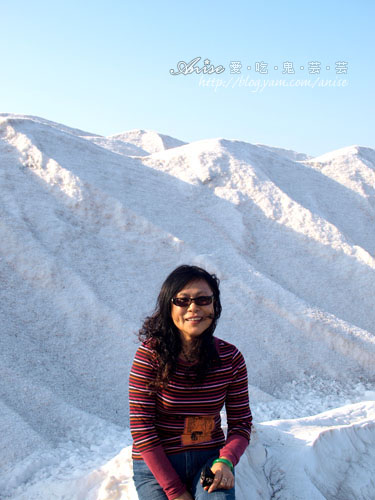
x,y
195,319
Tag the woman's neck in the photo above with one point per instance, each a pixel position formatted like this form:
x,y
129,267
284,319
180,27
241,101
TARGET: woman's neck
x,y
189,349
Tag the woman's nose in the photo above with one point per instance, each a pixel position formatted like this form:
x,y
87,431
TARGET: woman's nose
x,y
193,306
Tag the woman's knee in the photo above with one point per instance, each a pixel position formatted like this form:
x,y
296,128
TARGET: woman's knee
x,y
145,483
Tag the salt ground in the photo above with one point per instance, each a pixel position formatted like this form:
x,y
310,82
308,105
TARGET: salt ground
x,y
90,226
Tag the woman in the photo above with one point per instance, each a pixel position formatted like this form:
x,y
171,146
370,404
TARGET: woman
x,y
180,379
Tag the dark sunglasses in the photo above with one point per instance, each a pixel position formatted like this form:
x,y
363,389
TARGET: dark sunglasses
x,y
203,300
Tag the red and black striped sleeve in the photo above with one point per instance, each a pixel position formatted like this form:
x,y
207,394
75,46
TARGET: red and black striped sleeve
x,y
239,418
142,423
142,400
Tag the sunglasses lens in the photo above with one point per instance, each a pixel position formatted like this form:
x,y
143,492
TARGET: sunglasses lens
x,y
203,301
181,301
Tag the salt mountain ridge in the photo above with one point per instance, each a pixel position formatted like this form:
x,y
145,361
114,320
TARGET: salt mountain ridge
x,y
91,226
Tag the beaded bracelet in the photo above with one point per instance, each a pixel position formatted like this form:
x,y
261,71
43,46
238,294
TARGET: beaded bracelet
x,y
224,461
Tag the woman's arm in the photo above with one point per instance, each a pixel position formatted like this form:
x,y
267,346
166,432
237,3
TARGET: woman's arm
x,y
239,425
239,416
142,403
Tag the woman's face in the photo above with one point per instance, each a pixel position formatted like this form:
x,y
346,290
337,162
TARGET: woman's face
x,y
193,320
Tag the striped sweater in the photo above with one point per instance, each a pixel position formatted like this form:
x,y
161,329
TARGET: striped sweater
x,y
186,415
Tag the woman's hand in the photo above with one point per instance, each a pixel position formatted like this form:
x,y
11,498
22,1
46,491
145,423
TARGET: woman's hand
x,y
185,496
224,478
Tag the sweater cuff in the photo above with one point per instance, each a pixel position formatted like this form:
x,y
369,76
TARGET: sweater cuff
x,y
234,448
163,471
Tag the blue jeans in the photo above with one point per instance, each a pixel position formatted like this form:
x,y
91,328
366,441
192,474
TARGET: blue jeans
x,y
188,466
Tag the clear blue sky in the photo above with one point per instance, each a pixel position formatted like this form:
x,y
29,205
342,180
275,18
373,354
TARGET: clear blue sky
x,y
104,67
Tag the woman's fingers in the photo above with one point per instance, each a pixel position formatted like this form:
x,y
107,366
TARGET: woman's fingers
x,y
223,480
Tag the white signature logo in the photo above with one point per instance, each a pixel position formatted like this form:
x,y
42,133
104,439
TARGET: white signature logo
x,y
184,68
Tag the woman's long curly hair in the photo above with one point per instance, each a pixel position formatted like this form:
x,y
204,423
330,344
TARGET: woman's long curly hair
x,y
161,334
